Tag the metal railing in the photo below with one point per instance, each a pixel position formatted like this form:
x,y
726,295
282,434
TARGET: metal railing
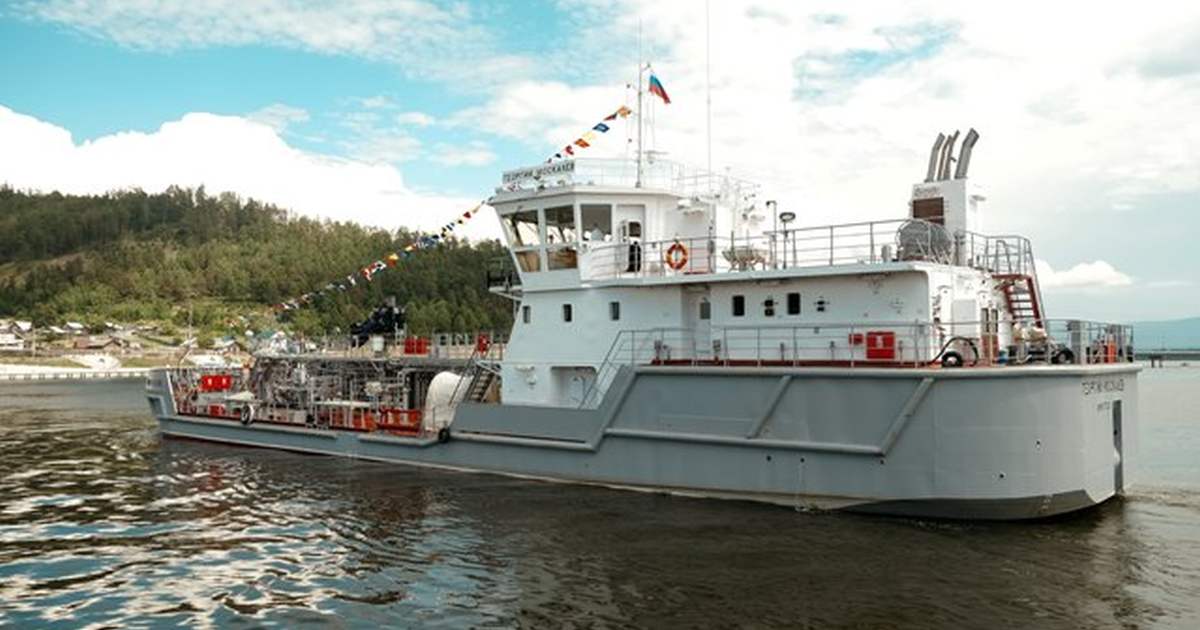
x,y
657,174
846,244
865,344
438,345
867,242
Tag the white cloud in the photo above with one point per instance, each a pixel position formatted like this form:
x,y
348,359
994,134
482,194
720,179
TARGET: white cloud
x,y
223,153
471,154
426,39
1087,275
416,119
833,106
546,114
279,116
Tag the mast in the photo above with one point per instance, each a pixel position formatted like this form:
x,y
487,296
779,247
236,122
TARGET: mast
x,y
638,182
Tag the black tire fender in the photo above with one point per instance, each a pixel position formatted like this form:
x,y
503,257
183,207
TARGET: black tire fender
x,y
1063,356
952,359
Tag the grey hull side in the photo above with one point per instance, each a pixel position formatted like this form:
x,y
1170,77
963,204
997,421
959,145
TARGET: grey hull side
x,y
1012,443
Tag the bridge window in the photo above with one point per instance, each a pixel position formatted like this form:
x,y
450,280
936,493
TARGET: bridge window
x,y
596,222
705,309
525,314
739,305
567,312
522,228
614,311
566,257
793,304
529,260
560,225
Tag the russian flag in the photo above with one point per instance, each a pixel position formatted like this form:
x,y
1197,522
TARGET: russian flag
x,y
656,88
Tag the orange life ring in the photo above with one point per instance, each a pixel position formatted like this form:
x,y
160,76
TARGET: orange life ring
x,y
676,256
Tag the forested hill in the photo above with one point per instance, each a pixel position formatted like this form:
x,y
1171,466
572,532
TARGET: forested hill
x,y
132,256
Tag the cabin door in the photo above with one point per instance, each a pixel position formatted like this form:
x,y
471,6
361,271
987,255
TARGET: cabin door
x,y
699,324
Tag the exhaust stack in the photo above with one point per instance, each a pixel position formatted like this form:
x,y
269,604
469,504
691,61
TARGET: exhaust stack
x,y
964,154
935,155
948,152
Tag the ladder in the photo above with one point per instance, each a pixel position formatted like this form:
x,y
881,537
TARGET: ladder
x,y
1023,297
481,375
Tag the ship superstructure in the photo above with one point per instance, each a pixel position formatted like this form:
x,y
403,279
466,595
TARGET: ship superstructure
x,y
676,332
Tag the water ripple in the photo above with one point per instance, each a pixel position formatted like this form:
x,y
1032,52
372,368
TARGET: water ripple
x,y
102,523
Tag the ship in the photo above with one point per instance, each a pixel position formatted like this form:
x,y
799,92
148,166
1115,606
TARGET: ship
x,y
675,332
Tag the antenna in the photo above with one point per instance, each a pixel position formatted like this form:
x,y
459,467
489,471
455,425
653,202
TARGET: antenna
x,y
708,80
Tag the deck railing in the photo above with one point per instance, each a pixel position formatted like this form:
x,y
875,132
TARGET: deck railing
x,y
866,344
861,243
656,175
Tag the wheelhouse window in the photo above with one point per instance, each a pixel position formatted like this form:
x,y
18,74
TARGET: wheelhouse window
x,y
614,311
567,314
522,228
739,305
705,309
596,222
529,259
525,314
560,225
561,236
793,304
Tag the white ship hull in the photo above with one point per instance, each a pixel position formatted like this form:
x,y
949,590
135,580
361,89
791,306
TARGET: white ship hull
x,y
1002,443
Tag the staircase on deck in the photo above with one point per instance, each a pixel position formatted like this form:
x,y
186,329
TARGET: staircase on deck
x,y
482,372
1016,271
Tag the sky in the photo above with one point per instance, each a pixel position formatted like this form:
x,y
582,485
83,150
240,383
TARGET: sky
x,y
405,112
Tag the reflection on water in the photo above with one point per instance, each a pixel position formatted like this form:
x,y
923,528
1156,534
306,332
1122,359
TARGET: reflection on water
x,y
103,523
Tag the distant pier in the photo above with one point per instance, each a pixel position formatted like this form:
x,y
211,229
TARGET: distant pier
x,y
1158,358
75,375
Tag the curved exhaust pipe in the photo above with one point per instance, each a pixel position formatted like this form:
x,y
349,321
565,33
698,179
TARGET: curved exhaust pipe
x,y
935,161
947,156
964,154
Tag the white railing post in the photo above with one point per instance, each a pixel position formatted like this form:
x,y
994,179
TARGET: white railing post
x,y
831,245
871,232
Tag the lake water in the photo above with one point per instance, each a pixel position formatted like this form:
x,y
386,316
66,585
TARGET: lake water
x,y
104,523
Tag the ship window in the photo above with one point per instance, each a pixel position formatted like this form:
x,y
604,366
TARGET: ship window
x,y
769,307
522,228
525,314
932,210
566,312
739,305
560,225
529,260
597,221
614,311
562,258
793,304
705,309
